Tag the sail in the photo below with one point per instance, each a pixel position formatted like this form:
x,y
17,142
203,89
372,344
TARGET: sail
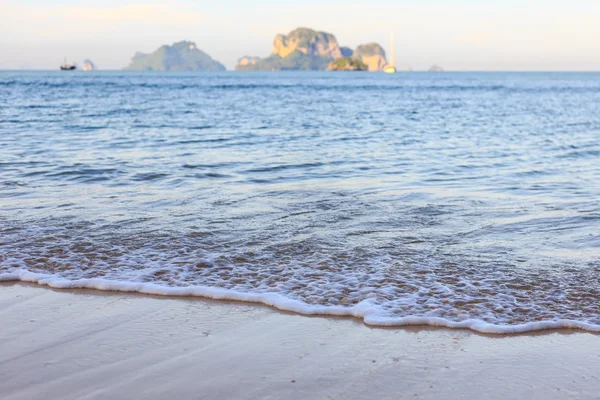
x,y
392,50
391,67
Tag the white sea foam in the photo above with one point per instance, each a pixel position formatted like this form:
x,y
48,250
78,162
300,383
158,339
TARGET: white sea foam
x,y
367,310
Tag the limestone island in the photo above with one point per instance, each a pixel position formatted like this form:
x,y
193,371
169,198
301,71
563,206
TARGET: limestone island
x,y
248,61
436,68
181,56
88,65
305,49
373,55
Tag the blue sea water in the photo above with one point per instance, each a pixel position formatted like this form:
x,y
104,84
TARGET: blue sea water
x,y
456,199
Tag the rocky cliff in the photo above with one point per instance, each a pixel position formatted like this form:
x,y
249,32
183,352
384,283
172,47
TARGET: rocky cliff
x,y
371,54
307,41
307,49
301,49
181,56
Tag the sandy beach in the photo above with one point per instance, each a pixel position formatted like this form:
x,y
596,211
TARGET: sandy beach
x,y
90,345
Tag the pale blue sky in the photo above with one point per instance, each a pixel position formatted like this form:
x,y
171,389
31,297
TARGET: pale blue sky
x,y
457,34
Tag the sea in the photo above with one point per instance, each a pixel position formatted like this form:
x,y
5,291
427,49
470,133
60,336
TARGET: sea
x,y
463,200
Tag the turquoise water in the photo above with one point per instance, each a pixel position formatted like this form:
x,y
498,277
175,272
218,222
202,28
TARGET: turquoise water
x,y
458,199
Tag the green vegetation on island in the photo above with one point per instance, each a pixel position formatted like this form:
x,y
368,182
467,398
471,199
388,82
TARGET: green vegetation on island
x,y
296,60
181,56
348,64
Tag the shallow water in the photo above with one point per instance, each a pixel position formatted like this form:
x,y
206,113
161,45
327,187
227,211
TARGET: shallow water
x,y
457,199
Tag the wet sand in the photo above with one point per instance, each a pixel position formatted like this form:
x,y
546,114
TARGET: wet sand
x,y
92,345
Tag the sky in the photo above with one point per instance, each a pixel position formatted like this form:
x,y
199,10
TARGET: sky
x,y
468,35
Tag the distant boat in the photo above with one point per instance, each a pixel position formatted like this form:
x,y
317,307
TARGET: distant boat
x,y
67,67
391,67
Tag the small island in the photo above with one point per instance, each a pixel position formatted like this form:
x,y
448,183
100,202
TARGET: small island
x,y
247,61
88,65
181,56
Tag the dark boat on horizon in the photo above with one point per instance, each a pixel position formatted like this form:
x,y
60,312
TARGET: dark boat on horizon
x,y
67,67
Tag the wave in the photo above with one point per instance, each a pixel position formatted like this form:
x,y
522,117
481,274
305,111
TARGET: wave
x,y
347,85
366,310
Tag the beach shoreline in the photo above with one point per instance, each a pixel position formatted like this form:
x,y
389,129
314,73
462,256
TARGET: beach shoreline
x,y
361,311
81,343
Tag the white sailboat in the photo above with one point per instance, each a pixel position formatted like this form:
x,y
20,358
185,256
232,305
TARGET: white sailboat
x,y
391,67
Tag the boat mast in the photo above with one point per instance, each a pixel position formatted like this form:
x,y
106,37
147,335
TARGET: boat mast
x,y
392,55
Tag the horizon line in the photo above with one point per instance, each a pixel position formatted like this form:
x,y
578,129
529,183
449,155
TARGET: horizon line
x,y
309,71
